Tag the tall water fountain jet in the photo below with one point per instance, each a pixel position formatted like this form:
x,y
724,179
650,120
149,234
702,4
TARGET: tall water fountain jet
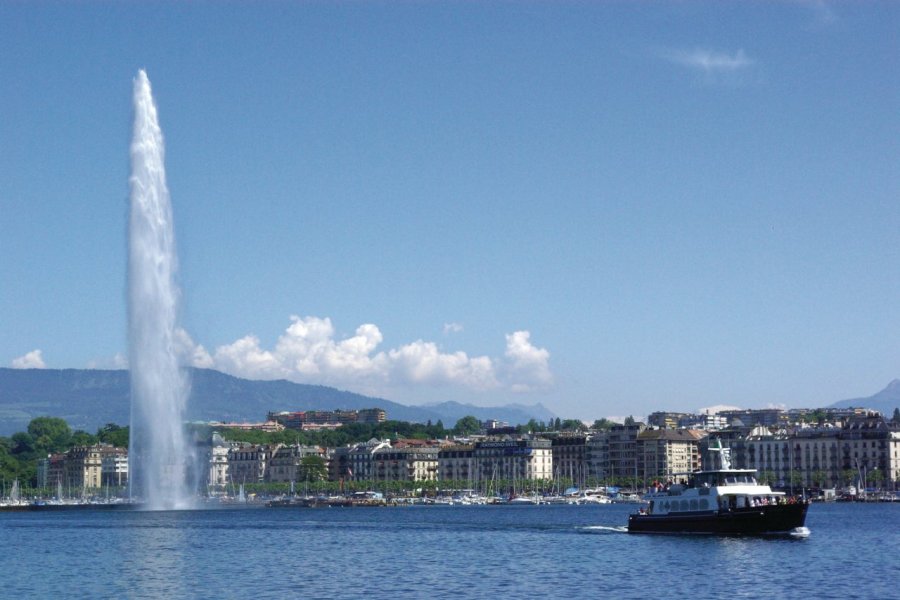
x,y
159,456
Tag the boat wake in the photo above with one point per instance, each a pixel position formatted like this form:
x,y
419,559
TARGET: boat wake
x,y
799,532
603,529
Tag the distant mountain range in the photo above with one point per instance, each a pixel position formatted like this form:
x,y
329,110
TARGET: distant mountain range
x,y
884,401
88,399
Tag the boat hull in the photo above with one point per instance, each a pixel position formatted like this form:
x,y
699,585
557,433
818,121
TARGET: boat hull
x,y
762,520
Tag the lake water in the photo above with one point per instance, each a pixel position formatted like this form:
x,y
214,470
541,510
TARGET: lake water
x,y
442,551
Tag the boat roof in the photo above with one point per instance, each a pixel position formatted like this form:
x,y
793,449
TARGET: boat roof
x,y
742,471
725,471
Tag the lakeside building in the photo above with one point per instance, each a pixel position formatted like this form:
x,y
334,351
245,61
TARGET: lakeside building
x,y
247,462
677,420
663,453
666,420
596,456
569,452
114,468
767,417
615,452
407,460
703,422
84,468
51,470
217,475
640,453
321,419
339,466
269,426
361,459
513,459
456,462
284,464
864,450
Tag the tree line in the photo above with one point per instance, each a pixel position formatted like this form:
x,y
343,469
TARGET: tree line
x,y
353,433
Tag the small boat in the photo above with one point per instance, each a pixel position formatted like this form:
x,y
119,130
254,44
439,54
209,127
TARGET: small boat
x,y
589,498
723,501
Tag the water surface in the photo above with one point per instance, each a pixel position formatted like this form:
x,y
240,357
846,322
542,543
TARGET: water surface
x,y
443,551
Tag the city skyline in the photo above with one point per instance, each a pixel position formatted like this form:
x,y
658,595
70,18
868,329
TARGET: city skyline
x,y
608,209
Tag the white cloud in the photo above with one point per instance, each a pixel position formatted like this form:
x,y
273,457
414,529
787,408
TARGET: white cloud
x,y
452,328
309,352
32,360
528,365
190,353
245,358
709,61
423,362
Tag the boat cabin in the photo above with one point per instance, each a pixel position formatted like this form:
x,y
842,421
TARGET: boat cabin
x,y
713,491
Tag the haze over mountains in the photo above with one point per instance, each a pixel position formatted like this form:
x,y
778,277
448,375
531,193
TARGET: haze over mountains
x,y
88,399
884,401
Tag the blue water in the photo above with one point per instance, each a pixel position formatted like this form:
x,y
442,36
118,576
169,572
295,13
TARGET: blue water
x,y
414,552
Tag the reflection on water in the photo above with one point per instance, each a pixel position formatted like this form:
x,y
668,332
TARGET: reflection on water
x,y
153,556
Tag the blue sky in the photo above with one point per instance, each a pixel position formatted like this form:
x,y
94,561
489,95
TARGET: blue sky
x,y
609,208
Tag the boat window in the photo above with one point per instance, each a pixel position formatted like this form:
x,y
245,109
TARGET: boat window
x,y
694,504
684,505
704,504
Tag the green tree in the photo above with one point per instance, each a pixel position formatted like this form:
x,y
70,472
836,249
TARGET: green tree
x,y
437,430
82,438
313,468
51,434
573,425
875,477
532,426
602,424
819,477
23,444
114,435
629,420
467,426
896,417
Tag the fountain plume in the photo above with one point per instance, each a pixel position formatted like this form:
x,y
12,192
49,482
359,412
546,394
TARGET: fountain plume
x,y
159,456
